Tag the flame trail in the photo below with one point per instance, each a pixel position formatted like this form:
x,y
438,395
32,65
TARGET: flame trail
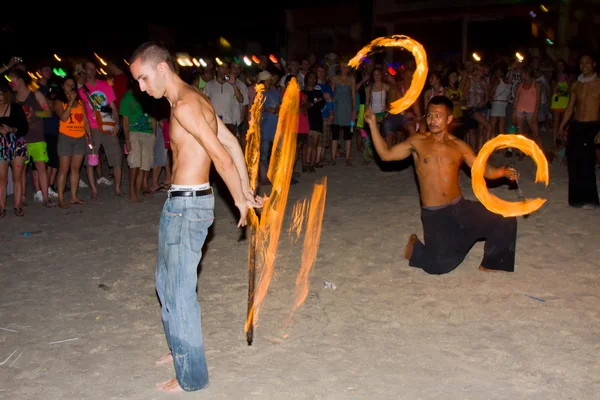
x,y
312,237
495,204
280,175
298,213
419,77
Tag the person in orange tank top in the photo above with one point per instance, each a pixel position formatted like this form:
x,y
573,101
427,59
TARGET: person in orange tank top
x,y
74,136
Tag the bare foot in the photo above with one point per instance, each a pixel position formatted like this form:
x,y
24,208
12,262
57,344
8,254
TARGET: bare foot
x,y
77,200
48,204
408,250
484,269
169,386
135,199
64,204
166,359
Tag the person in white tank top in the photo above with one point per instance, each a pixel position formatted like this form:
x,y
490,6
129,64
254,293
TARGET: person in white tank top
x,y
501,89
377,94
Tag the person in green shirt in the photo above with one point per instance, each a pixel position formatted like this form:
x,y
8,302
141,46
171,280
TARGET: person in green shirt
x,y
139,128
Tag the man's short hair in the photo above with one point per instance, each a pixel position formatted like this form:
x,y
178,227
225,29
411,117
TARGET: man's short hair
x,y
442,101
154,53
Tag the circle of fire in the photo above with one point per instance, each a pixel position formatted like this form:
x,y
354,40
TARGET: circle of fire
x,y
495,204
419,76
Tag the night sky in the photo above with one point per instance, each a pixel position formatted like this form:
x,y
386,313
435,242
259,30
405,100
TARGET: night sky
x,y
197,35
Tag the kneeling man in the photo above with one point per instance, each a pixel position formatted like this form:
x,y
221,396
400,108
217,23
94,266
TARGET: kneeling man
x,y
451,224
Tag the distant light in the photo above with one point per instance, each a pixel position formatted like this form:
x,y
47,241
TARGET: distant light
x,y
391,71
103,72
224,42
181,62
532,14
7,78
126,61
38,75
543,8
219,62
476,57
188,62
519,57
59,72
203,63
31,75
247,61
256,59
57,58
103,62
195,61
550,42
273,59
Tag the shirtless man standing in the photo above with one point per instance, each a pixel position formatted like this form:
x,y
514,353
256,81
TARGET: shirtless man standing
x,y
451,224
198,138
584,130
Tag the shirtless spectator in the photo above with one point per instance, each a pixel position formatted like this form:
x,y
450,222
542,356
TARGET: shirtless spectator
x,y
584,132
198,138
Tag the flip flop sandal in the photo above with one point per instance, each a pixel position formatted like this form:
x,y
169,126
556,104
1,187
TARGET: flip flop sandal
x,y
19,212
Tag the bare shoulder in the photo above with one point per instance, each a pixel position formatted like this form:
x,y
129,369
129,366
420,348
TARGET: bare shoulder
x,y
192,101
417,138
459,144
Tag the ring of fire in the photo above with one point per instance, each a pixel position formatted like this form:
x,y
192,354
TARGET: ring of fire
x,y
495,204
419,77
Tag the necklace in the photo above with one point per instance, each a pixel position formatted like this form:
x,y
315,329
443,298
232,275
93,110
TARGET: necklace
x,y
584,79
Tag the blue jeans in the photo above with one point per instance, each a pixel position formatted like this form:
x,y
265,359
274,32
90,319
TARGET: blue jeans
x,y
182,231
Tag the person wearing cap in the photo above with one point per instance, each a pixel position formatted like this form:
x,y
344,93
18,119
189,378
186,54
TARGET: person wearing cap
x,y
270,117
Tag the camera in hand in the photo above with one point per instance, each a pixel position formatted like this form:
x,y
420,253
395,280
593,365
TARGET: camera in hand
x,y
106,109
226,77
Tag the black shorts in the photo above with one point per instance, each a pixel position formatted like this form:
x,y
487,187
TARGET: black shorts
x,y
302,139
335,132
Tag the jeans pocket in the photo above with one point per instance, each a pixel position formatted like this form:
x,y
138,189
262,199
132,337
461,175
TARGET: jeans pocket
x,y
172,227
198,222
198,230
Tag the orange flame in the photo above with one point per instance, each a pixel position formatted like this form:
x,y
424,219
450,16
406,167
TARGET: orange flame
x,y
280,174
495,204
252,153
419,77
312,237
298,218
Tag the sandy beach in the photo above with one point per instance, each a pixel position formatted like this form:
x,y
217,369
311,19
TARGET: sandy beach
x,y
388,331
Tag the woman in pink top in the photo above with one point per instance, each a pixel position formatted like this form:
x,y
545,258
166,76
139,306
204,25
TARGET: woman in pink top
x,y
526,105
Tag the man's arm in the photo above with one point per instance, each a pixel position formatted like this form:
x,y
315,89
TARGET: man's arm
x,y
398,152
43,102
195,122
490,171
237,93
231,144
